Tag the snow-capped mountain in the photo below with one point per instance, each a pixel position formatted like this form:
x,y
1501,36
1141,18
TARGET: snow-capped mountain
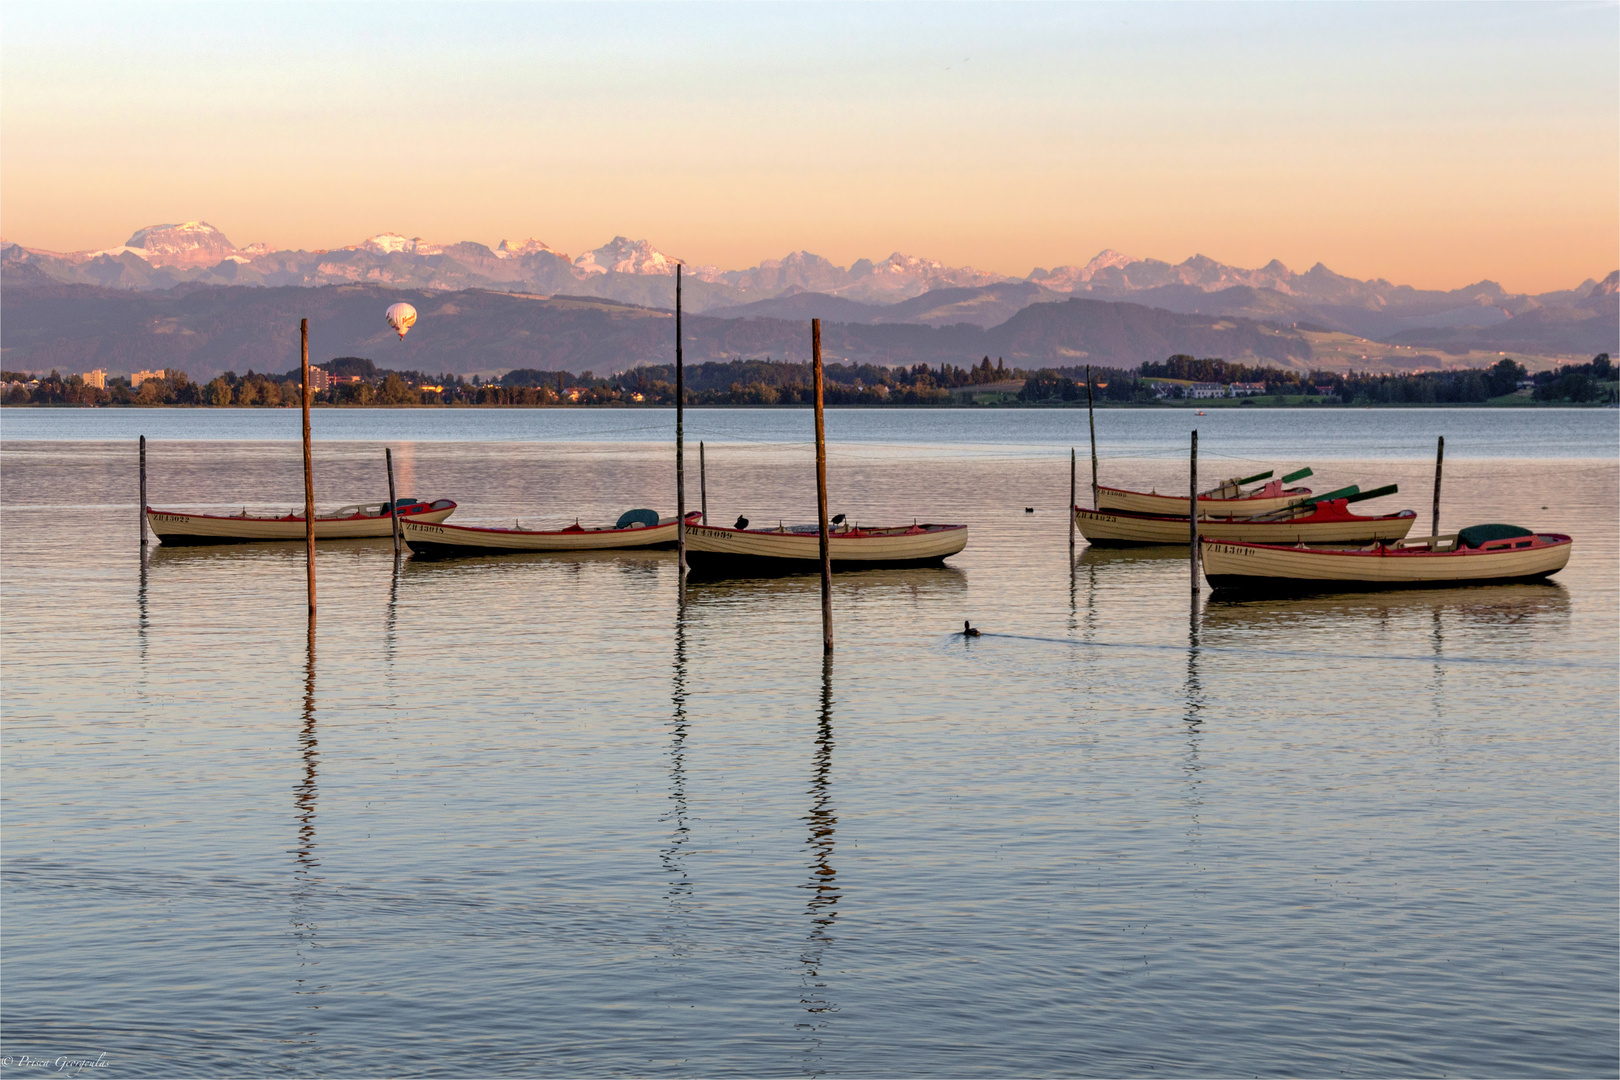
x,y
622,255
395,244
162,256
188,244
506,249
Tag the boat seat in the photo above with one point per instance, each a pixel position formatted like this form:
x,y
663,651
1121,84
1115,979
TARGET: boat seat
x,y
1477,535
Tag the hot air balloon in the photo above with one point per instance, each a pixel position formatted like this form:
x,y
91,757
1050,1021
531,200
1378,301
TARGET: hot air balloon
x,y
401,317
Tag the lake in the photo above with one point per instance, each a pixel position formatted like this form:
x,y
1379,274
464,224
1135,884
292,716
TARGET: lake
x,y
531,815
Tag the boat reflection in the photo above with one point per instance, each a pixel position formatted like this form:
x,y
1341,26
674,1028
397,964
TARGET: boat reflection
x,y
1480,605
633,563
1131,556
165,555
822,905
854,585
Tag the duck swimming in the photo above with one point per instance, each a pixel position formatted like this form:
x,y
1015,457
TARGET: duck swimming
x,y
967,629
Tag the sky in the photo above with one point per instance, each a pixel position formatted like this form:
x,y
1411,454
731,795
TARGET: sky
x,y
1431,145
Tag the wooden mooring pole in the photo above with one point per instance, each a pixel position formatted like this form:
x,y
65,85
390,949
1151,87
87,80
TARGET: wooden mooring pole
x,y
703,485
821,492
309,468
680,441
1439,460
1192,516
393,503
144,525
1091,415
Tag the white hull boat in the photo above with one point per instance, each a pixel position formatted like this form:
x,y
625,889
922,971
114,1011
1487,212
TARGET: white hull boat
x,y
1330,524
1262,500
1477,555
345,523
716,551
437,540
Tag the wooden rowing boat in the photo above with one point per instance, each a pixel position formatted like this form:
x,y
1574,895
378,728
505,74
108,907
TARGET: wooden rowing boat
x,y
1477,555
720,552
1225,499
345,523
647,530
1325,523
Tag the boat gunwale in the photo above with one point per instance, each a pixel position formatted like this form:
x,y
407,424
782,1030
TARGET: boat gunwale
x,y
1214,519
404,513
497,530
842,537
1381,550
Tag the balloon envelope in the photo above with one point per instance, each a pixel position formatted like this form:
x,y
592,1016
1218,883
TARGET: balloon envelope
x,y
401,317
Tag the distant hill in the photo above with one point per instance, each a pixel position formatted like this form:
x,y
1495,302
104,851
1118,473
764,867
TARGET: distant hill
x,y
206,330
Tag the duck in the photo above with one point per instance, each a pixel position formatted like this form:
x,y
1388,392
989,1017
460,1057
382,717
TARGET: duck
x,y
967,629
742,523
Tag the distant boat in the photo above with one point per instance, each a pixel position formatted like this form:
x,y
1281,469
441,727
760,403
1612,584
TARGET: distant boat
x,y
345,523
1225,499
635,529
1478,555
1327,523
713,551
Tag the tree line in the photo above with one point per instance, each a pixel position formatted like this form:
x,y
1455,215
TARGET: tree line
x,y
358,382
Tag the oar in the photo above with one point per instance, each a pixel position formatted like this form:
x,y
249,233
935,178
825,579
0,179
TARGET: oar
x,y
1352,497
1235,482
1290,478
1308,500
1387,489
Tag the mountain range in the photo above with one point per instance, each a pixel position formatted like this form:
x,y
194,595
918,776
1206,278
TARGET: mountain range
x,y
177,274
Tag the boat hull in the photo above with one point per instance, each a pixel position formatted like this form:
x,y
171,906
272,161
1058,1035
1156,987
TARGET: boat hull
x,y
718,552
193,529
433,540
1144,502
1331,526
1268,568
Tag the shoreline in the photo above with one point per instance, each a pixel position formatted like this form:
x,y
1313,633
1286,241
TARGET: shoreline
x,y
1193,406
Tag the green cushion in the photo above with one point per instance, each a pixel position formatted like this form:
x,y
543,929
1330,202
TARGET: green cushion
x,y
1475,535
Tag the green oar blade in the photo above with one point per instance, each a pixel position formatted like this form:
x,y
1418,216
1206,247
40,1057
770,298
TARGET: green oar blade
x,y
1291,477
1256,476
1342,493
1387,489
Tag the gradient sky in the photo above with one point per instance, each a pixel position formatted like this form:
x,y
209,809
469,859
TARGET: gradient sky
x,y
1432,145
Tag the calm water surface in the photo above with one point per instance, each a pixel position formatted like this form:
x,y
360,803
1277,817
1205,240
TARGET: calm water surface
x,y
528,815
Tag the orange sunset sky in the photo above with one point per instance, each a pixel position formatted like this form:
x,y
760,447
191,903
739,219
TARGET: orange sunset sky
x,y
1432,145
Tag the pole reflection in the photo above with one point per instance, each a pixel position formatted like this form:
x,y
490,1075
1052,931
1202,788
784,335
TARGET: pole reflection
x,y
306,864
822,907
679,888
391,617
143,620
1192,766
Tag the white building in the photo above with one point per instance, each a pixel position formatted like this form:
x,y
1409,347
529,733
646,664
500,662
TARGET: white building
x,y
138,377
1248,389
1207,390
96,378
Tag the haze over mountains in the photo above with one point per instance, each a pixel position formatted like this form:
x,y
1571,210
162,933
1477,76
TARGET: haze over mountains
x,y
1266,313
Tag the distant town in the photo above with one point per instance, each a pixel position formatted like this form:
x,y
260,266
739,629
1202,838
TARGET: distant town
x,y
1177,381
